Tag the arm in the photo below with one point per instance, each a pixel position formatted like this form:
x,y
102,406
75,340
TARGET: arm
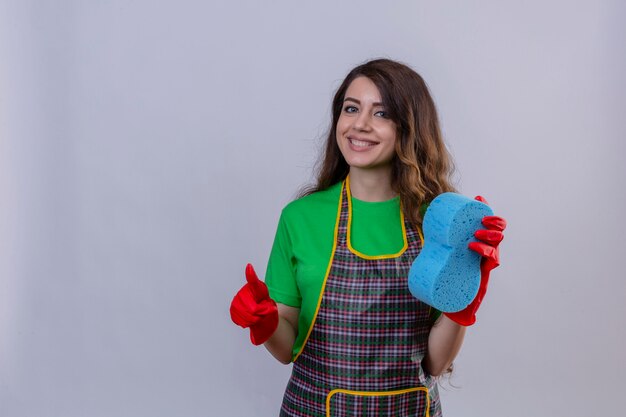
x,y
446,336
444,342
275,325
280,345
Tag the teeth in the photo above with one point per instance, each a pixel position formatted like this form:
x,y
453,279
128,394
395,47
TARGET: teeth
x,y
361,143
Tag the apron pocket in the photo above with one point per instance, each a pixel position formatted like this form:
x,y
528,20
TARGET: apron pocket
x,y
405,402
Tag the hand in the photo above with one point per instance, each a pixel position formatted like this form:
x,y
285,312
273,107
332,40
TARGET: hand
x,y
252,307
487,247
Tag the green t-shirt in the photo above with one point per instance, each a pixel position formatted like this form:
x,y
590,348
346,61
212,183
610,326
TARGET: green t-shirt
x,y
304,242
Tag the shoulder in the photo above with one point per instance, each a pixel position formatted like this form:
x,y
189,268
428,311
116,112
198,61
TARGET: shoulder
x,y
313,205
423,208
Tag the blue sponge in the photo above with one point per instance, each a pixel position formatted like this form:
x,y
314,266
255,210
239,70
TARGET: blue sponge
x,y
446,274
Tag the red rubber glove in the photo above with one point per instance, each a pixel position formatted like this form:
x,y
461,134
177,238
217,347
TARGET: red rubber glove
x,y
487,247
252,307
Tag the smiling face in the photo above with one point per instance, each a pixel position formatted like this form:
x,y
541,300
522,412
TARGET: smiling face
x,y
365,135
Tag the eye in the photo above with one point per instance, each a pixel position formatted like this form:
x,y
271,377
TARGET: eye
x,y
382,113
350,109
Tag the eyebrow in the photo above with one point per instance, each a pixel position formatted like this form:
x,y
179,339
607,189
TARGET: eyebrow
x,y
358,102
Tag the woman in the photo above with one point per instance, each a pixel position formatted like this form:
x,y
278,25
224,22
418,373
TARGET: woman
x,y
337,303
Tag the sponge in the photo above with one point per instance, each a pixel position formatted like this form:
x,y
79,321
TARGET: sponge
x,y
446,274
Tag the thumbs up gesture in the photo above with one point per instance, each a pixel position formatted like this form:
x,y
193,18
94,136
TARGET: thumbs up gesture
x,y
252,307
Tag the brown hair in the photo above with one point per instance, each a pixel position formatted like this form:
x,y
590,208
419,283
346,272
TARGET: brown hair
x,y
422,166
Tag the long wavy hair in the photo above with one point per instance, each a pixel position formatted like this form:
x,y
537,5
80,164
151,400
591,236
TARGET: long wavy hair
x,y
422,167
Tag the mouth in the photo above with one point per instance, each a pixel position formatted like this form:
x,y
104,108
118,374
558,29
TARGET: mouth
x,y
361,143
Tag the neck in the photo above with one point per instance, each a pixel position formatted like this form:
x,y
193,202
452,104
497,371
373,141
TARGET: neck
x,y
371,185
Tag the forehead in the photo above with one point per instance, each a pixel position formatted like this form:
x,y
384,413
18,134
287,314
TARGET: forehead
x,y
363,89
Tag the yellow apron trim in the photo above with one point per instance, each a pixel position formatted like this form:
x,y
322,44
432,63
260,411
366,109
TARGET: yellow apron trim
x,y
378,394
349,240
330,263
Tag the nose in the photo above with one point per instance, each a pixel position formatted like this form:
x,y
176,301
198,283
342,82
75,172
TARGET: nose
x,y
362,121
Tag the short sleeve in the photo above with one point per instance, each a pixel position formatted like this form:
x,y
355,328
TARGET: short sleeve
x,y
281,274
434,315
423,208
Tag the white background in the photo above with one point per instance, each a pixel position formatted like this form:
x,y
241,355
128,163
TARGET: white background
x,y
147,148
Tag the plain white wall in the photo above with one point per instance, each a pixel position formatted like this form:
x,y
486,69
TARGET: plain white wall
x,y
147,148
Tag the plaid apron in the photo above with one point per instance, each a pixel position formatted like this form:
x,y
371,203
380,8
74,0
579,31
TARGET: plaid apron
x,y
363,353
